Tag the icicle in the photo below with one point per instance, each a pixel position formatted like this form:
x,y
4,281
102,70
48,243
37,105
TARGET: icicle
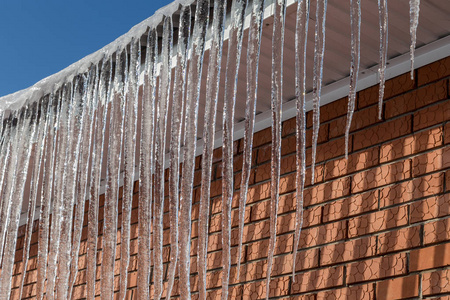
x,y
277,99
175,141
34,185
27,129
355,24
190,135
160,146
212,83
383,12
233,60
254,44
57,207
301,40
82,177
146,166
5,155
116,104
130,119
319,48
46,192
414,7
97,158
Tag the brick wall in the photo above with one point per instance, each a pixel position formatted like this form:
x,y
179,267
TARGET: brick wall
x,y
375,227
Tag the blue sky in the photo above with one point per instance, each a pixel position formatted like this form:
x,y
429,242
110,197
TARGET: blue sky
x,y
41,37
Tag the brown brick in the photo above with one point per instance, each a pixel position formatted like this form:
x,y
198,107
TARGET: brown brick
x,y
430,208
381,133
378,221
433,71
416,99
361,119
398,288
437,282
317,279
330,111
400,239
356,162
376,268
431,161
257,289
437,231
348,251
410,190
327,191
393,87
259,249
380,176
432,115
430,257
409,145
361,292
447,133
351,206
322,234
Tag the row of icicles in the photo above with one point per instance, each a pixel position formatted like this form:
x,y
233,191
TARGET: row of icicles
x,y
58,142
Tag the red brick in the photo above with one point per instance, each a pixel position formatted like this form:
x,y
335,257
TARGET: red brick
x,y
437,231
361,119
430,208
377,268
355,162
393,87
330,111
431,115
289,128
447,133
378,221
348,251
327,191
351,206
433,71
431,161
322,234
400,239
437,282
409,145
380,176
398,288
430,257
259,249
257,289
317,279
327,151
381,133
410,190
360,292
416,99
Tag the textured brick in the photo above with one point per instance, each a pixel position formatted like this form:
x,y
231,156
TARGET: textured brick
x,y
361,119
400,239
437,282
433,71
398,288
323,234
437,231
351,206
430,257
327,191
361,292
412,144
431,161
318,279
356,162
330,111
430,208
378,221
416,99
376,268
380,176
416,188
431,115
348,251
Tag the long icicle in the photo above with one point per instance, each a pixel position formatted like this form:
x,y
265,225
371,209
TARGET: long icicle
x,y
355,24
82,177
383,12
57,205
34,186
69,182
116,105
319,48
301,41
27,139
212,93
277,100
187,179
130,123
146,166
414,7
46,192
99,141
160,146
253,50
233,60
175,140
